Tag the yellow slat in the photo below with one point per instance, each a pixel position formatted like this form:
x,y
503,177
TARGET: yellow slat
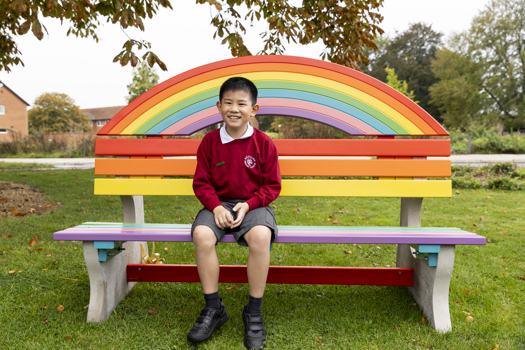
x,y
308,188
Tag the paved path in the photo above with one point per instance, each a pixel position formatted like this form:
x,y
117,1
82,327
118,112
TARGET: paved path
x,y
463,159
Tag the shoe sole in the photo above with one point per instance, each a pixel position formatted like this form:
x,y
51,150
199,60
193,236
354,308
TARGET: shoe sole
x,y
219,323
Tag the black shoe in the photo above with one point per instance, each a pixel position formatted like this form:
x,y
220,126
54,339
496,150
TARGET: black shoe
x,y
209,320
254,335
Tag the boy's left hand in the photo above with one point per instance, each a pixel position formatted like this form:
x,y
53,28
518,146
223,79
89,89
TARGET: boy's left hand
x,y
241,209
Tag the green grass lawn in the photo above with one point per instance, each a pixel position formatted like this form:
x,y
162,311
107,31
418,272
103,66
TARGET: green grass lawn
x,y
485,284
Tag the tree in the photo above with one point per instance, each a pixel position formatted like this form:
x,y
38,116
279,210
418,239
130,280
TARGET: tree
x,y
496,43
345,27
54,112
410,54
459,94
144,78
402,87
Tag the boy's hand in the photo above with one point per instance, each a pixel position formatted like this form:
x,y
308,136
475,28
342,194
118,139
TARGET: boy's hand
x,y
223,218
241,209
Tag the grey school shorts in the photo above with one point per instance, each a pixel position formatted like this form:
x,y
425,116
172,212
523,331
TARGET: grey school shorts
x,y
260,216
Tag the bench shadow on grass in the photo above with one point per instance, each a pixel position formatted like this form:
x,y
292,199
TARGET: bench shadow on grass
x,y
332,315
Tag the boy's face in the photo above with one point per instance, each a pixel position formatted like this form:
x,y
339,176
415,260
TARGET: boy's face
x,y
236,110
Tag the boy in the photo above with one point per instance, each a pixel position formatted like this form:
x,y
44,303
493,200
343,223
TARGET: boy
x,y
237,177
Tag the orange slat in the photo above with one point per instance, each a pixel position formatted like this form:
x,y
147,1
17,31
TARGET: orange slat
x,y
307,147
289,167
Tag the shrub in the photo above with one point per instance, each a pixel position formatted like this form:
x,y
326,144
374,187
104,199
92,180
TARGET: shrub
x,y
504,183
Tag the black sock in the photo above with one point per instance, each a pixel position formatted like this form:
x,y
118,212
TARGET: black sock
x,y
254,306
213,300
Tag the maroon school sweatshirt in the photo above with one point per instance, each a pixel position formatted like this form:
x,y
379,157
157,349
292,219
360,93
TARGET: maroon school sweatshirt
x,y
241,169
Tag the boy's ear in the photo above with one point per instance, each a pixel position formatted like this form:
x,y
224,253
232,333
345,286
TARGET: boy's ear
x,y
255,109
219,105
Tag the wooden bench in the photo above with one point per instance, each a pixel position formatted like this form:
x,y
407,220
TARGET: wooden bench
x,y
290,86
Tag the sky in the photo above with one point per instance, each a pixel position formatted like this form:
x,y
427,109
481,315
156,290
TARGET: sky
x,y
183,39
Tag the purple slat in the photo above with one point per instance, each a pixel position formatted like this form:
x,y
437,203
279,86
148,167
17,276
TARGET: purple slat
x,y
292,112
364,238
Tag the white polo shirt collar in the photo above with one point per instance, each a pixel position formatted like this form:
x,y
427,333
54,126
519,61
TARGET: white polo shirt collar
x,y
225,137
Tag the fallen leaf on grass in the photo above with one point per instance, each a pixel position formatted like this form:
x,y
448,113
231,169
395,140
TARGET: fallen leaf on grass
x,y
14,271
459,302
521,277
504,212
335,221
348,252
153,312
422,320
496,347
60,308
68,337
474,224
18,213
166,248
457,192
7,236
33,242
233,287
46,320
47,206
43,308
481,217
467,292
467,313
318,340
470,318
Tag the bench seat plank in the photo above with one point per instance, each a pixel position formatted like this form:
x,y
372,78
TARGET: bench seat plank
x,y
287,234
300,188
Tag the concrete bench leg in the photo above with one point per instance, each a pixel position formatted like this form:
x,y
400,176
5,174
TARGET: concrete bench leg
x,y
108,279
431,284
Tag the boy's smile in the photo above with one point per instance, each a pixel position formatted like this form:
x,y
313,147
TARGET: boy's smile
x,y
236,110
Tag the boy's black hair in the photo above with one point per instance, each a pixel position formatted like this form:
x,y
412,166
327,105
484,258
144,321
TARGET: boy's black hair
x,y
239,83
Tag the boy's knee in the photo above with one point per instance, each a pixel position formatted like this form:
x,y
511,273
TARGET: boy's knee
x,y
203,236
259,237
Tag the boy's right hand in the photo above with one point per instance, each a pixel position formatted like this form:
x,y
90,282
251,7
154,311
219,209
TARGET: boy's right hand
x,y
223,218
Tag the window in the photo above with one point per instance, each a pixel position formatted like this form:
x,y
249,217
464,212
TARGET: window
x,y
90,123
100,123
3,131
2,109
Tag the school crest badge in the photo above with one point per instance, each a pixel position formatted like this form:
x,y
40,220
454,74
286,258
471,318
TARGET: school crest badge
x,y
249,161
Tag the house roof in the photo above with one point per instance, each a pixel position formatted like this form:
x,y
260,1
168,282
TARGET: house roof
x,y
14,93
103,113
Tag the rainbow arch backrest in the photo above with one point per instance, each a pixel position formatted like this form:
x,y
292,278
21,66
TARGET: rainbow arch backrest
x,y
291,86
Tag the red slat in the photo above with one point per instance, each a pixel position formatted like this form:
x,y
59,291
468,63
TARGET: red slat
x,y
373,276
349,147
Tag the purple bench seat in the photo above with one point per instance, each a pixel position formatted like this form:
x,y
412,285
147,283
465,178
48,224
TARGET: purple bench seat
x,y
92,231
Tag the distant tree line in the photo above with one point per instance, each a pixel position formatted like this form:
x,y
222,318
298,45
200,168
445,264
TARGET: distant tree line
x,y
475,78
472,79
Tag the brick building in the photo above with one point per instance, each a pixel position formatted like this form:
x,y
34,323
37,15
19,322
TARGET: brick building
x,y
98,117
13,115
